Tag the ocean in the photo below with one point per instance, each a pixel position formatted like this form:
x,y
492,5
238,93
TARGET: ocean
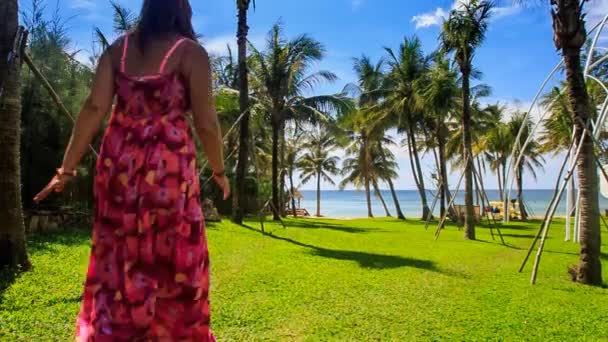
x,y
351,203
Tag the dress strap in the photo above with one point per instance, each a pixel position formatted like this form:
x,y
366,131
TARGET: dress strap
x,y
123,59
170,53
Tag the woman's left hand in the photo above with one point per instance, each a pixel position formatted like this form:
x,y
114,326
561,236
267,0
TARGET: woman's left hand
x,y
57,184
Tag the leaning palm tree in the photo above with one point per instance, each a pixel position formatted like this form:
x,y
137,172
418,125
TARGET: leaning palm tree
x,y
281,72
244,135
407,68
12,231
463,32
369,91
318,162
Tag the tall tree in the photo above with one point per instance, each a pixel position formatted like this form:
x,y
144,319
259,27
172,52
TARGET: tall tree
x,y
357,168
531,157
281,73
369,91
569,37
408,66
12,230
244,136
463,32
439,97
318,162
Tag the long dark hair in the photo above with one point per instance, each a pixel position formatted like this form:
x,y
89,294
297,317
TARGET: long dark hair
x,y
164,16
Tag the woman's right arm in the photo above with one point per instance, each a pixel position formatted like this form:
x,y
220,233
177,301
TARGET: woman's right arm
x,y
94,110
206,122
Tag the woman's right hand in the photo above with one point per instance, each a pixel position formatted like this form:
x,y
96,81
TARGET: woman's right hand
x,y
57,184
224,184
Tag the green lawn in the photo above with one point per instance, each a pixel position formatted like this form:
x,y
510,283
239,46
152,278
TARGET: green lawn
x,y
343,280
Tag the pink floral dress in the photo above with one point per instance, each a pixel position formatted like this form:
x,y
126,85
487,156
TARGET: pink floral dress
x,y
148,276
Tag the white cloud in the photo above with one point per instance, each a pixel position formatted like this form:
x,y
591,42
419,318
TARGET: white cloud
x,y
430,19
217,46
437,17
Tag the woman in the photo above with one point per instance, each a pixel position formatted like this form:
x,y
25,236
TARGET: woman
x,y
148,274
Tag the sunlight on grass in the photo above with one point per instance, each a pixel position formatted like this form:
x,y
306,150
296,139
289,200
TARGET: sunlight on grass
x,y
342,280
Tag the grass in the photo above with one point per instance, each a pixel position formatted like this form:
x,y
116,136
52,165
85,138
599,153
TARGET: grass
x,y
342,280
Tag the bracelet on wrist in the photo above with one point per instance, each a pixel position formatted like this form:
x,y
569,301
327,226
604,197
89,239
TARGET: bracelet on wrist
x,y
63,172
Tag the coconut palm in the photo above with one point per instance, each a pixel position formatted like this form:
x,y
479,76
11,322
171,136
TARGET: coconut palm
x,y
124,21
407,67
569,35
293,147
281,73
369,90
384,167
244,135
318,162
463,32
439,98
357,167
531,156
12,231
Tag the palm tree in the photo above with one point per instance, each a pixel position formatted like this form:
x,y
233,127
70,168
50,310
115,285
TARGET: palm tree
x,y
497,145
532,157
124,21
318,162
439,97
463,32
281,73
369,91
384,168
408,67
569,35
12,230
358,166
243,86
291,164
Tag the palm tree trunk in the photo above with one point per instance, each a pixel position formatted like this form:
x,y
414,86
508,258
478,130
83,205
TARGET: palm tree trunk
x,y
590,267
318,193
239,199
500,183
469,217
426,211
391,185
379,195
444,173
520,193
293,192
282,172
12,229
366,170
275,165
412,166
441,169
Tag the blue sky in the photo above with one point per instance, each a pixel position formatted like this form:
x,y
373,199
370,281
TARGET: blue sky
x,y
516,57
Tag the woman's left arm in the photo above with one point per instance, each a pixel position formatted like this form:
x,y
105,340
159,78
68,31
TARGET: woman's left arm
x,y
96,107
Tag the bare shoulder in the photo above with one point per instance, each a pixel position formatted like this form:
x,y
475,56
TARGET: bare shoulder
x,y
195,55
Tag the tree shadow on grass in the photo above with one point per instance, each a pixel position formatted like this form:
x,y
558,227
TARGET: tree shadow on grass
x,y
365,260
43,242
329,226
47,241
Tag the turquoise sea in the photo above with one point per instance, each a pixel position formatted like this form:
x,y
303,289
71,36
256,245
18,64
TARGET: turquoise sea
x,y
351,203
